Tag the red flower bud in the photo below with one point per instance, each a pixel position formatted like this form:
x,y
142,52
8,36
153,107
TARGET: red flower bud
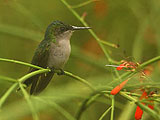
x,y
118,88
120,67
138,113
144,95
151,106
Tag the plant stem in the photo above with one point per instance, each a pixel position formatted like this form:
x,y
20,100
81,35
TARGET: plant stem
x,y
19,62
86,103
79,79
8,79
105,113
155,59
26,96
149,111
112,111
127,96
83,4
57,107
42,70
4,97
126,75
7,93
22,79
143,107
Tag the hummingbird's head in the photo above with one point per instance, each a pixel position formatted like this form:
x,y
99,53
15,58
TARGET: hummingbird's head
x,y
58,28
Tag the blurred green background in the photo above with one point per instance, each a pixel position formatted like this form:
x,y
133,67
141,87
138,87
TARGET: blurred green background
x,y
132,24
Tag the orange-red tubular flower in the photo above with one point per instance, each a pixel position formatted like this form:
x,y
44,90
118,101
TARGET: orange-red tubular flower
x,y
151,106
118,88
120,67
144,95
138,113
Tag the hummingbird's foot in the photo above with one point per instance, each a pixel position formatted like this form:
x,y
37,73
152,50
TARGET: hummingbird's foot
x,y
18,89
61,72
58,71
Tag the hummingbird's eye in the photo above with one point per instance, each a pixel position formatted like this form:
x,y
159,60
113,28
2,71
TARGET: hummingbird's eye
x,y
62,29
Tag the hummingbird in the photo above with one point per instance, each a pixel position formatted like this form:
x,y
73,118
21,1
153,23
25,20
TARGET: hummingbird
x,y
53,52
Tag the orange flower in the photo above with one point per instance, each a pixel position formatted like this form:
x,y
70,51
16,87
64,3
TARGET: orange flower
x,y
120,67
118,88
151,106
138,113
144,94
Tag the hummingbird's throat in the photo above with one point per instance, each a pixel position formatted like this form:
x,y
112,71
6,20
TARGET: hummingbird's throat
x,y
64,36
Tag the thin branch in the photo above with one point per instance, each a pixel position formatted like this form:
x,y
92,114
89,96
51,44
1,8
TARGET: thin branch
x,y
26,96
155,59
20,62
42,70
130,74
58,108
29,75
83,4
105,113
86,103
79,79
112,111
7,93
8,79
5,96
143,107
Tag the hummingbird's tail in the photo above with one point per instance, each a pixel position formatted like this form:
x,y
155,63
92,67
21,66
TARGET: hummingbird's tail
x,y
39,82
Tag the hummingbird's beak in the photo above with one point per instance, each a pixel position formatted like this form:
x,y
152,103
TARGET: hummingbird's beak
x,y
80,28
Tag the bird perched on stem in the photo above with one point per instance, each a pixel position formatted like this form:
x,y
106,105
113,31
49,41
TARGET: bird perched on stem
x,y
53,52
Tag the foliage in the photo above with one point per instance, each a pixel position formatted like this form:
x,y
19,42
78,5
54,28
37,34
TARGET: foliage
x,y
117,27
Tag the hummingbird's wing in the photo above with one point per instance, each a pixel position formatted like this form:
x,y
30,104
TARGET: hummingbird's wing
x,y
40,58
41,83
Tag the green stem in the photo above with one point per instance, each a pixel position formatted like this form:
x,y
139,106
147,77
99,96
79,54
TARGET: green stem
x,y
19,62
7,93
131,73
126,75
57,107
79,79
132,94
127,96
155,59
4,97
112,111
86,103
83,4
8,79
149,111
42,70
143,107
22,79
105,113
26,96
